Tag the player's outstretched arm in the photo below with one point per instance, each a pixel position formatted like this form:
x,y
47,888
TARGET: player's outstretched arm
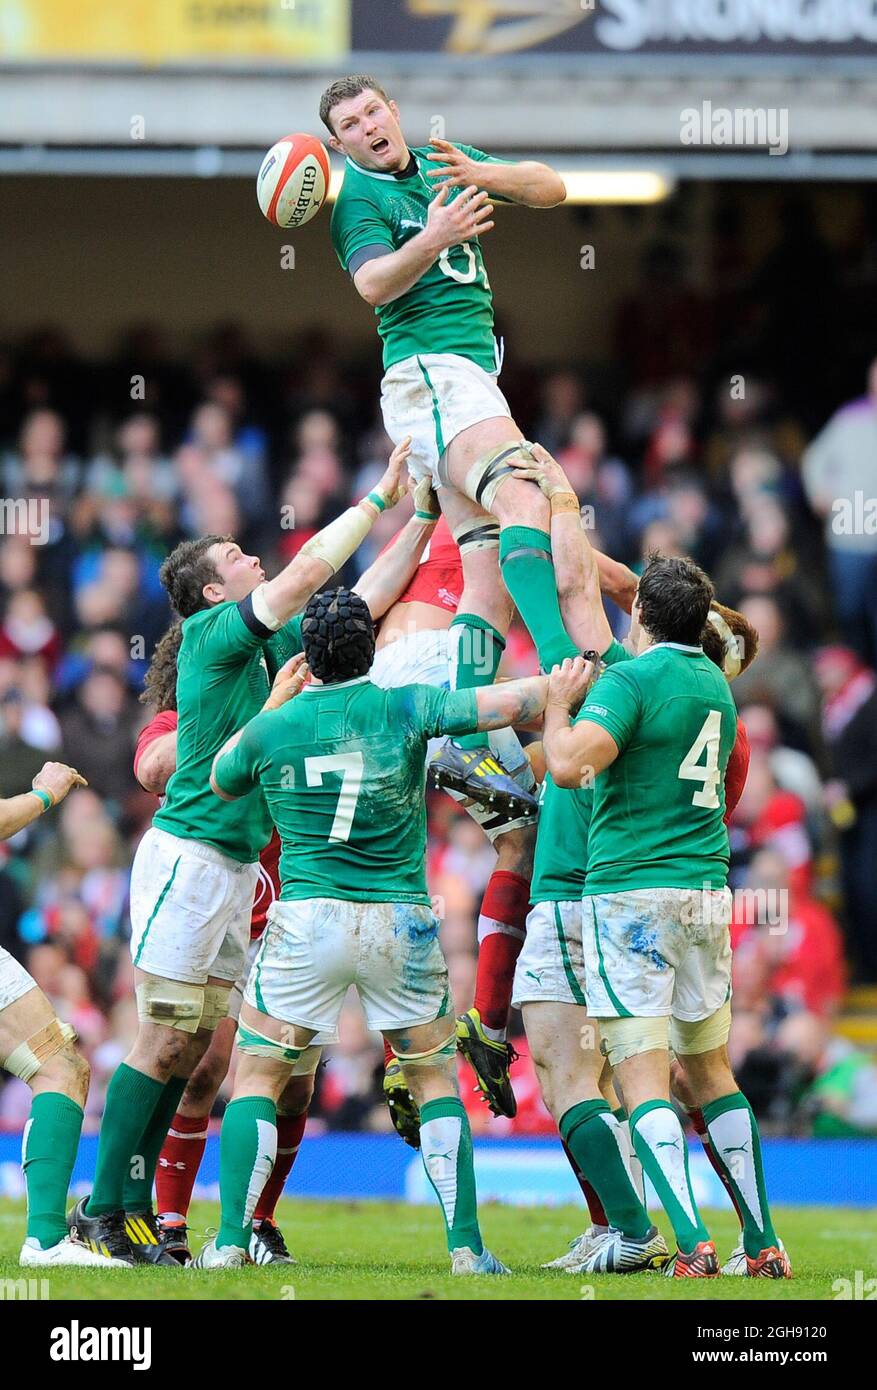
x,y
51,785
511,702
325,553
386,278
617,581
230,777
528,181
575,570
389,576
574,753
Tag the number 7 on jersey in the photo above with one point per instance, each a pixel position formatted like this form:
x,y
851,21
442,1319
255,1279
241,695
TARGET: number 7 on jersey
x,y
350,765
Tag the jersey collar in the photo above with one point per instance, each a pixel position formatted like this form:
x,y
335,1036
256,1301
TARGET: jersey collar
x,y
674,646
412,167
335,685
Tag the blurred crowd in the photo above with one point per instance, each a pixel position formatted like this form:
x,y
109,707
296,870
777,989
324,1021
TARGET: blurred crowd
x,y
105,465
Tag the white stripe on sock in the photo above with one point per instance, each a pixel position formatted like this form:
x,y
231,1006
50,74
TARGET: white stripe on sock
x,y
662,1132
489,926
439,1146
732,1137
266,1152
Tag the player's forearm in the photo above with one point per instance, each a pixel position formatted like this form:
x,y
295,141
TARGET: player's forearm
x,y
389,277
578,584
533,184
158,763
616,580
216,768
511,702
18,811
562,747
389,576
318,560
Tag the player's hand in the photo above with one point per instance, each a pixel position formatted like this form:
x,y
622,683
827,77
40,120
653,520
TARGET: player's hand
x,y
454,169
425,500
394,484
290,681
56,780
468,216
544,470
569,683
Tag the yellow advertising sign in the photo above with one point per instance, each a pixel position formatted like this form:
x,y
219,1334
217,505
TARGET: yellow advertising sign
x,y
159,31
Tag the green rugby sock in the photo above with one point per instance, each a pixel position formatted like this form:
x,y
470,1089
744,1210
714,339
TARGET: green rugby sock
x,y
591,1133
475,657
48,1152
660,1143
137,1192
528,573
736,1147
131,1098
446,1150
247,1150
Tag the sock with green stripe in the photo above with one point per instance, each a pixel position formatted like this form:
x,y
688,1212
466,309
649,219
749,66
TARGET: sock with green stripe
x,y
660,1143
48,1152
635,1168
137,1192
590,1131
446,1150
475,650
736,1146
528,573
247,1150
131,1098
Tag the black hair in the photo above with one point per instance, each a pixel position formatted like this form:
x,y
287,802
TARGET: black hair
x,y
674,597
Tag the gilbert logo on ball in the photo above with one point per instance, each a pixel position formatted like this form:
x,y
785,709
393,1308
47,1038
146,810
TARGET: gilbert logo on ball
x,y
293,180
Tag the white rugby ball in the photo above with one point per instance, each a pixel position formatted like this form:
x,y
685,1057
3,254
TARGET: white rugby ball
x,y
293,180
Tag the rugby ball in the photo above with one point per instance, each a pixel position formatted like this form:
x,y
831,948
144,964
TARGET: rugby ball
x,y
293,181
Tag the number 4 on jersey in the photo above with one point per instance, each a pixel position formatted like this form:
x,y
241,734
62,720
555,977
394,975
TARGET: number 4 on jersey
x,y
350,765
707,773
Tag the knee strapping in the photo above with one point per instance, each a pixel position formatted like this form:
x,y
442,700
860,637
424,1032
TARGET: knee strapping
x,y
442,1051
487,474
477,535
702,1036
170,1003
628,1037
216,1005
26,1059
257,1044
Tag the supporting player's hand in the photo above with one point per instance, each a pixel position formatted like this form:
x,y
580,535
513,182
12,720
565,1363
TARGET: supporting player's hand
x,y
544,470
394,484
426,503
468,216
569,683
290,680
454,168
56,780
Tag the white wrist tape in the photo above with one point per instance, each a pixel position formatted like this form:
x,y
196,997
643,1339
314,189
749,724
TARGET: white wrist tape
x,y
262,610
336,542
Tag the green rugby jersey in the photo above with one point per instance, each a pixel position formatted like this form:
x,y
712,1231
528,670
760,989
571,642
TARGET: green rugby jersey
x,y
450,308
343,770
657,814
222,681
561,855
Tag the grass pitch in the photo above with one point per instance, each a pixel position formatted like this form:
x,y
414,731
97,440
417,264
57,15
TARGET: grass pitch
x,y
386,1250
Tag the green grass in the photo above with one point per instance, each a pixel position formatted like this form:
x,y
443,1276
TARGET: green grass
x,y
385,1250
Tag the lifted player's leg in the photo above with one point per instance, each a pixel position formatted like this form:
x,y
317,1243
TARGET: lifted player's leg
x,y
428,1052
477,463
36,1047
